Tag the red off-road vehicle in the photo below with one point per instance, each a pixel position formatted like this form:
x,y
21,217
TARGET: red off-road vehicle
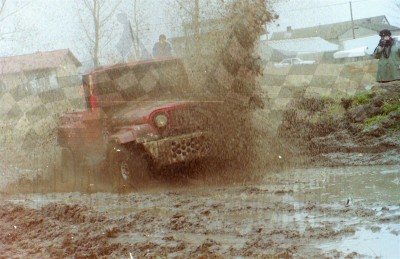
x,y
144,116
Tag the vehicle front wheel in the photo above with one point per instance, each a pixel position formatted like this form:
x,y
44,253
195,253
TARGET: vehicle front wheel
x,y
128,167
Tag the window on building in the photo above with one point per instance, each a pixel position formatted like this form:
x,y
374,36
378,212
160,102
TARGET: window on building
x,y
34,85
53,80
39,82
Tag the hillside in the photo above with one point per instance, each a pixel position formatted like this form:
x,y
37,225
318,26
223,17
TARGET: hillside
x,y
360,130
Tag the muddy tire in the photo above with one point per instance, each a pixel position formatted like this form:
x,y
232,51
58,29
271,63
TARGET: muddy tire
x,y
127,167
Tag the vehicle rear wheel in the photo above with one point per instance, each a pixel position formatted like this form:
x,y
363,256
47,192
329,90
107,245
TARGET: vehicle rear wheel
x,y
128,167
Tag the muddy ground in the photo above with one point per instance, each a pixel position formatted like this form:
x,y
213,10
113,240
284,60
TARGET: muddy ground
x,y
342,212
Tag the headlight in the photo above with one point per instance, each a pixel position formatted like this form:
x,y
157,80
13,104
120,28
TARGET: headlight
x,y
160,120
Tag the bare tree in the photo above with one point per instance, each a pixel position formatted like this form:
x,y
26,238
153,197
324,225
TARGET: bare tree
x,y
193,16
8,10
138,26
96,18
133,20
194,13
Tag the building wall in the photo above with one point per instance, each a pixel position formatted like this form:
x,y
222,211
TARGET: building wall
x,y
41,80
36,96
371,42
11,81
67,68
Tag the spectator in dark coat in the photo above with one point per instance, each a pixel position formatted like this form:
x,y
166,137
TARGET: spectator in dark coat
x,y
162,48
388,53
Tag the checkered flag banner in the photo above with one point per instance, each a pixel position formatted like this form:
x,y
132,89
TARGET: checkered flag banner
x,y
326,77
30,114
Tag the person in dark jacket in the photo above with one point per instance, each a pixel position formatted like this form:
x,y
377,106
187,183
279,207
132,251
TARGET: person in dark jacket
x,y
162,48
388,53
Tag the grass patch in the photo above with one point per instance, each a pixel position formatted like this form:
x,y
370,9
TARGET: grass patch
x,y
391,107
394,129
363,98
388,109
332,113
376,120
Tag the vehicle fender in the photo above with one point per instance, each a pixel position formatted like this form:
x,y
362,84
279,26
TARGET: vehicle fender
x,y
138,133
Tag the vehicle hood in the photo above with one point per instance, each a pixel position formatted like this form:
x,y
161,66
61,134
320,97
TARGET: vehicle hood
x,y
138,111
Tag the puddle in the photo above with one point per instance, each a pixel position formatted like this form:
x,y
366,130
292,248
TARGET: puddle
x,y
376,188
359,184
382,244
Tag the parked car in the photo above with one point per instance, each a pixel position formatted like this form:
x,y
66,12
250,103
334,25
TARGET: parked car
x,y
294,62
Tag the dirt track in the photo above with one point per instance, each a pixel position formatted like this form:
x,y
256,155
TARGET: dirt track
x,y
321,212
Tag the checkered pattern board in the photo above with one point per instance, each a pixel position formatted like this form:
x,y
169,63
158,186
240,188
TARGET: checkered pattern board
x,y
36,114
140,82
321,79
31,114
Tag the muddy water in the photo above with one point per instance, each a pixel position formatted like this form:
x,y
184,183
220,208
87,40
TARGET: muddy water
x,y
302,213
376,187
359,184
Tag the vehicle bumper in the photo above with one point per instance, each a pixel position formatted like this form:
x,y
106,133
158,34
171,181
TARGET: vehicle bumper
x,y
179,148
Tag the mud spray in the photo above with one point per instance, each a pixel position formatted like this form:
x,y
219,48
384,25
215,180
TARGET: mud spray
x,y
223,63
226,64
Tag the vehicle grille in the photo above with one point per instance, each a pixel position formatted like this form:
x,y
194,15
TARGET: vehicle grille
x,y
188,120
185,148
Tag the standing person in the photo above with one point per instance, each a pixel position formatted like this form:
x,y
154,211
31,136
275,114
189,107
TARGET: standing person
x,y
162,48
388,53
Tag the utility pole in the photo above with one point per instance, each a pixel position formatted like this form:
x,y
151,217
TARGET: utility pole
x,y
352,21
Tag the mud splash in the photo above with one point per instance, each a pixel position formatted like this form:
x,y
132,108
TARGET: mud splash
x,y
225,64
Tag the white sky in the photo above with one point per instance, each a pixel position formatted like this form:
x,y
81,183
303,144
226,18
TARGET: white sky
x,y
308,13
54,23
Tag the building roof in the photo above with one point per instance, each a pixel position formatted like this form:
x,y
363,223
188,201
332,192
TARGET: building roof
x,y
334,30
302,46
36,61
351,53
